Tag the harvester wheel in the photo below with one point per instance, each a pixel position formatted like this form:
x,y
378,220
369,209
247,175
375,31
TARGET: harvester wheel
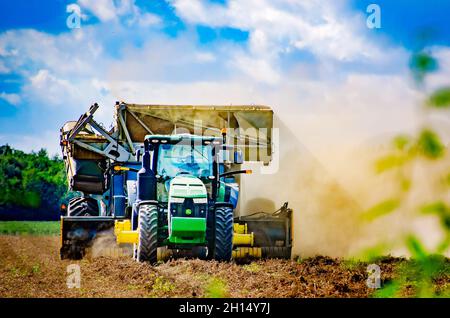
x,y
223,238
83,207
147,250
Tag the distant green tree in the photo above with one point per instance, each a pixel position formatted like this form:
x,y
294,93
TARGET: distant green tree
x,y
31,180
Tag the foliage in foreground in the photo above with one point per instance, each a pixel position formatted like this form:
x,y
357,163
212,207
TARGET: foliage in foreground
x,y
426,266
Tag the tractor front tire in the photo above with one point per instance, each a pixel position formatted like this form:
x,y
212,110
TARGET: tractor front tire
x,y
147,250
81,206
223,234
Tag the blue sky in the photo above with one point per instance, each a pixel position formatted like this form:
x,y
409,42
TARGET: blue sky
x,y
402,19
407,22
274,52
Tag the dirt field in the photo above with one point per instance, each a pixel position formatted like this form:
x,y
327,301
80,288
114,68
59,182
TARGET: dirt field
x,y
30,267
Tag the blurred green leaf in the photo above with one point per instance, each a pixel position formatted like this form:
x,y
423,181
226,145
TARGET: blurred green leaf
x,y
390,290
440,209
430,145
381,209
416,248
440,98
372,254
446,180
435,208
405,184
400,142
422,63
443,246
389,162
436,265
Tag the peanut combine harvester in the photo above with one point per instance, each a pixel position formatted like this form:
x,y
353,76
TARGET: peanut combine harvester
x,y
168,177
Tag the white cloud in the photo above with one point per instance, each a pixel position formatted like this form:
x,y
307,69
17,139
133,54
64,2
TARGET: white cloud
x,y
13,99
441,78
3,68
259,69
105,10
115,10
205,57
101,86
328,30
6,52
148,19
50,88
72,53
325,28
48,139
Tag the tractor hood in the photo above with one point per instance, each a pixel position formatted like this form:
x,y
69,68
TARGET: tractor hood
x,y
187,186
188,205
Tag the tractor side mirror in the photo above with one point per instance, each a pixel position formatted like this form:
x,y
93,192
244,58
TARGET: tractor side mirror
x,y
238,157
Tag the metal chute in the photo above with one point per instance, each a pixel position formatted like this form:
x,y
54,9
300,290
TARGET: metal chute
x,y
249,128
78,233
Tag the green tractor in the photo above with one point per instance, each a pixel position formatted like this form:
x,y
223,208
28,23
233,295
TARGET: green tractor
x,y
165,190
180,203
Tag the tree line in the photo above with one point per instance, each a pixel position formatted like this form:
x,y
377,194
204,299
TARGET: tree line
x,y
32,185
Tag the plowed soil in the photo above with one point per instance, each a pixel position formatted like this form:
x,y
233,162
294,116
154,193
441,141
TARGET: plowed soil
x,y
30,267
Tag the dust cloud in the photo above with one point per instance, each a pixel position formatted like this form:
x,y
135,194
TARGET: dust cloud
x,y
105,244
330,195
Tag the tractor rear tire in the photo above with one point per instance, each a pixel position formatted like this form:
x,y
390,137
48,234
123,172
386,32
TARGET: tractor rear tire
x,y
81,206
223,234
147,250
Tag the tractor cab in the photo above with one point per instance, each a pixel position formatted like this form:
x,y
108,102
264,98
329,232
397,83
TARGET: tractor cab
x,y
181,156
186,175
